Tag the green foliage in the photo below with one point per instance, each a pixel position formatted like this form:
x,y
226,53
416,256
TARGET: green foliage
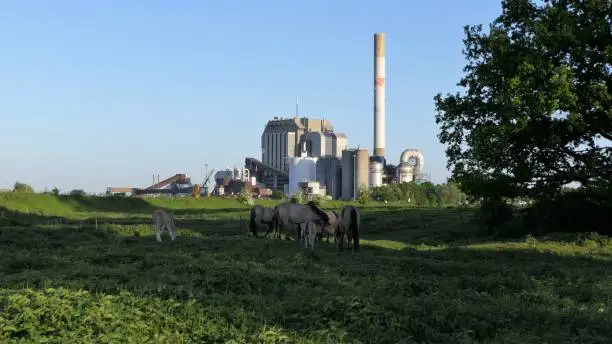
x,y
245,197
536,104
364,194
278,195
317,199
55,191
22,188
422,276
77,192
421,195
298,197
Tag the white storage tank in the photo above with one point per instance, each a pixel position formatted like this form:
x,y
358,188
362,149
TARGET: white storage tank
x,y
376,174
302,169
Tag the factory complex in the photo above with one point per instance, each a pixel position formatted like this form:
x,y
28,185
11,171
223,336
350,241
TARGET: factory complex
x,y
301,154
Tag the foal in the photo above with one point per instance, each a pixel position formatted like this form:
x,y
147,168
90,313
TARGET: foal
x,y
309,234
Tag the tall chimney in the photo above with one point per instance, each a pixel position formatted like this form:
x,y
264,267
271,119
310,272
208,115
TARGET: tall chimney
x,y
379,94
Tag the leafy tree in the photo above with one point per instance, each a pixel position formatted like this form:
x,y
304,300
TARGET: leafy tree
x,y
22,187
534,115
77,192
450,194
535,111
55,191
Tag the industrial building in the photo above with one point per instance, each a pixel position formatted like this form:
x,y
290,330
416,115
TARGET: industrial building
x,y
329,174
298,152
355,172
411,166
284,139
176,185
302,169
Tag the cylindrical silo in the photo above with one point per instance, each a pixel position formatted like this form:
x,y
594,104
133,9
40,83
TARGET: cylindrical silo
x,y
362,172
376,174
348,177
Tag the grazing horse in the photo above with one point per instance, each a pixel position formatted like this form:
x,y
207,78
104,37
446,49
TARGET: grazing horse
x,y
162,219
348,227
298,214
261,215
309,235
329,230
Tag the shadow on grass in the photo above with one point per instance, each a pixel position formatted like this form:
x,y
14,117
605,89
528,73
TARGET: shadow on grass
x,y
376,294
131,205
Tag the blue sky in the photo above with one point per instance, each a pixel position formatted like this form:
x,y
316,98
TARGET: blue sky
x,y
107,93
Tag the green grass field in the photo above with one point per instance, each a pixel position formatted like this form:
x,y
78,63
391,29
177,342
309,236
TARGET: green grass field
x,y
422,276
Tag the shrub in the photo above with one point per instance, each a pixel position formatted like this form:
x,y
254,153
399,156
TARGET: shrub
x,y
298,197
278,195
245,197
317,199
364,194
22,187
494,213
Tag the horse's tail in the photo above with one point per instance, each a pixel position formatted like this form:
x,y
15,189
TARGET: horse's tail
x,y
355,228
253,224
275,220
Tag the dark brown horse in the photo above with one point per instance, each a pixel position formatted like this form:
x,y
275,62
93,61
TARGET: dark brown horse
x,y
348,227
261,215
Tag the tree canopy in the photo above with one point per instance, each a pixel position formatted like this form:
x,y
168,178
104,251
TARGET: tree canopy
x,y
535,112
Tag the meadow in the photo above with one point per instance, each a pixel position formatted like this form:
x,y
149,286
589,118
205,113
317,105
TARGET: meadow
x,y
88,270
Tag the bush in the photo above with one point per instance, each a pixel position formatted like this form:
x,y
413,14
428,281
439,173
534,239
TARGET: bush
x,y
317,199
278,195
364,194
77,192
22,187
495,213
421,195
245,197
298,197
580,210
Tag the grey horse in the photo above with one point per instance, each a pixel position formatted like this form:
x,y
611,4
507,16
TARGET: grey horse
x,y
288,213
348,227
329,230
261,215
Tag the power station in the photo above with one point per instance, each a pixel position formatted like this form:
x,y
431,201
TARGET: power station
x,y
305,154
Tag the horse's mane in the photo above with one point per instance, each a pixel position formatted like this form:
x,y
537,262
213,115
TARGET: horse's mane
x,y
318,210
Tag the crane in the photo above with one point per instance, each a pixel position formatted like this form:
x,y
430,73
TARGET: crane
x,y
197,188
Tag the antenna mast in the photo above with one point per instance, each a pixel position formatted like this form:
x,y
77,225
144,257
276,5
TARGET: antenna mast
x,y
297,106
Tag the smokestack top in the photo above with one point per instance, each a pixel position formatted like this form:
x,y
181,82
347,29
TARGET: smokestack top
x,y
379,44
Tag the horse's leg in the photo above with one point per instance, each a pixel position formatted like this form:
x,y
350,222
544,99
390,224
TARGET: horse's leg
x,y
270,229
339,238
280,229
158,230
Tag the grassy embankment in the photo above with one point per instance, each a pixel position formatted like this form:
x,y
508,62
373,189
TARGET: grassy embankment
x,y
423,275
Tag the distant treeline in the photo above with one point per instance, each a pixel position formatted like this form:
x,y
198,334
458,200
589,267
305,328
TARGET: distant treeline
x,y
419,195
